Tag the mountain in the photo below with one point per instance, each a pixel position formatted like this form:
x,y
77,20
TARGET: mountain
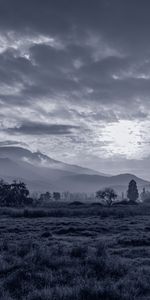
x,y
20,154
42,173
92,183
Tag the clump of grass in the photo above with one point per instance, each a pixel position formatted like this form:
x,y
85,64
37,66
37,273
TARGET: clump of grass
x,y
135,242
101,249
76,203
25,248
46,234
4,245
79,251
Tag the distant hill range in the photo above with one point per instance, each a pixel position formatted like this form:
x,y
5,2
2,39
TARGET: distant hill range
x,y
42,173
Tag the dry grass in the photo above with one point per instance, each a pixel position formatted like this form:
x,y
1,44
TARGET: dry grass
x,y
75,253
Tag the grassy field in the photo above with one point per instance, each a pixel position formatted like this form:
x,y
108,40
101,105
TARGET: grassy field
x,y
75,252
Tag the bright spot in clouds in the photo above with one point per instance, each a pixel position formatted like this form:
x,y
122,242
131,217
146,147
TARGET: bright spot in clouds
x,y
124,138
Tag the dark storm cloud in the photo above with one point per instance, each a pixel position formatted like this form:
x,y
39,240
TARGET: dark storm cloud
x,y
33,15
47,56
47,74
32,128
54,15
53,73
12,143
71,69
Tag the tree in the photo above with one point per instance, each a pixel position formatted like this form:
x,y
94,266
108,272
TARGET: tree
x,y
145,196
4,192
14,194
18,194
108,195
45,197
56,196
132,192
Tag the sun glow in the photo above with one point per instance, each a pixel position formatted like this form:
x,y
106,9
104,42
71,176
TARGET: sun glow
x,y
123,138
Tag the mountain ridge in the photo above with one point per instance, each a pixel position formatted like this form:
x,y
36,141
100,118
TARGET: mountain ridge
x,y
41,173
38,157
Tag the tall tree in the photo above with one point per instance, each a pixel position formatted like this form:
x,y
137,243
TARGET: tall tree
x,y
132,192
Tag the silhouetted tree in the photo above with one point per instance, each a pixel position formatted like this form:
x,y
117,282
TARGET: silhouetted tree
x,y
132,192
15,194
18,193
56,196
108,195
4,192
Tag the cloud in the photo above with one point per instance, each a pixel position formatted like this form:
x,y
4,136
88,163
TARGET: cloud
x,y
32,128
84,63
12,143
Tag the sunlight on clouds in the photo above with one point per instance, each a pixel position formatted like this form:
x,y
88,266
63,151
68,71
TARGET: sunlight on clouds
x,y
15,89
124,138
23,43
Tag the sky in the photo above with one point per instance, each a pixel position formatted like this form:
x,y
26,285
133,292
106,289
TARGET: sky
x,y
75,81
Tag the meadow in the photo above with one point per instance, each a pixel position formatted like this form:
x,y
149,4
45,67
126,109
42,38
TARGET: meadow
x,y
75,251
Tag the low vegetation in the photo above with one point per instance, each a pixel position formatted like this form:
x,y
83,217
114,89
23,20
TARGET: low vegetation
x,y
75,252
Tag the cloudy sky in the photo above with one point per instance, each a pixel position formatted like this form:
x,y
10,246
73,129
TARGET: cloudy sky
x,y
75,81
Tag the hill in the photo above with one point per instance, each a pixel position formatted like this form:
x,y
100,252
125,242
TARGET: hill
x,y
41,173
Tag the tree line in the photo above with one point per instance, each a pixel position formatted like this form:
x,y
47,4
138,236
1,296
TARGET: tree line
x,y
17,194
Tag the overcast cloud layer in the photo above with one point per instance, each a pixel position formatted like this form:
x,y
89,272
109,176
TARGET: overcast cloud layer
x,y
75,81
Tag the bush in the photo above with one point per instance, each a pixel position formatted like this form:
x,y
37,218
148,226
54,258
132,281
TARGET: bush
x,y
76,203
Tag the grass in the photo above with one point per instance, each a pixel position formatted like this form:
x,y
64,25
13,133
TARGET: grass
x,y
76,209
75,252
